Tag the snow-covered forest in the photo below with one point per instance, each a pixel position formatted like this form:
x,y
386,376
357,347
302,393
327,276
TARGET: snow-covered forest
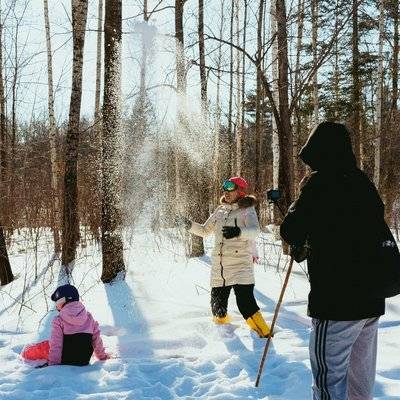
x,y
117,116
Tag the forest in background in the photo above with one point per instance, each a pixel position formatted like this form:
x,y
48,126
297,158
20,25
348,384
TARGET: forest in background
x,y
248,81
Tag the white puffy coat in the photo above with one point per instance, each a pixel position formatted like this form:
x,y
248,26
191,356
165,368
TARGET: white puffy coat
x,y
232,259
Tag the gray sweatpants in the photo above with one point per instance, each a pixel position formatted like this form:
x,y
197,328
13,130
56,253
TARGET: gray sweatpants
x,y
343,359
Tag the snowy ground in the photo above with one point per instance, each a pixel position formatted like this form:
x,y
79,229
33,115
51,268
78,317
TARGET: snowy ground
x,y
157,323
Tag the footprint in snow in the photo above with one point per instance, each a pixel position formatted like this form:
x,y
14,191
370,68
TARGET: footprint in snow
x,y
108,330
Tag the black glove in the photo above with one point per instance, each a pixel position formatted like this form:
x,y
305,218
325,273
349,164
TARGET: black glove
x,y
181,221
229,232
300,253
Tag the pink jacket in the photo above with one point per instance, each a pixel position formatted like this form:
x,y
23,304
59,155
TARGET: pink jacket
x,y
73,318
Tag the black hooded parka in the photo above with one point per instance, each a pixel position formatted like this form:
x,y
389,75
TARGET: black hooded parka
x,y
336,212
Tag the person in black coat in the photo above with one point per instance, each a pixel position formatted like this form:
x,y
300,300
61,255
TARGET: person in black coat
x,y
336,214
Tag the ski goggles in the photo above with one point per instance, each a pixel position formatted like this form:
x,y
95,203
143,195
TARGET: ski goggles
x,y
229,186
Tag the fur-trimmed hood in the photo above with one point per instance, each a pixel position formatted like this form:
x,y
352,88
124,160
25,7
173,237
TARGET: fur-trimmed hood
x,y
243,202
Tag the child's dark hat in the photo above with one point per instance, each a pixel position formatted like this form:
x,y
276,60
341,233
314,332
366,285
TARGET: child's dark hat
x,y
68,291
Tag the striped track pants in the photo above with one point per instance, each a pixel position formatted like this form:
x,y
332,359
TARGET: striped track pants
x,y
343,359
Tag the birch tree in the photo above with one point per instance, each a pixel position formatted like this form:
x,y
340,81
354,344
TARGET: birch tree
x,y
52,133
314,46
297,116
377,164
356,87
259,113
111,224
274,85
70,234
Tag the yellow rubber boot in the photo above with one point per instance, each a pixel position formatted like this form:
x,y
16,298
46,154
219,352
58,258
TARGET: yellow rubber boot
x,y
258,324
222,320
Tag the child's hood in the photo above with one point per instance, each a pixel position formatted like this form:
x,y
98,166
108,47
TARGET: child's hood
x,y
74,313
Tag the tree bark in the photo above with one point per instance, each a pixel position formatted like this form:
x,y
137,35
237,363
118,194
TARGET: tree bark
x,y
6,274
274,85
203,76
52,134
314,17
239,126
356,89
259,125
217,127
377,165
284,128
111,226
230,102
296,133
70,234
391,185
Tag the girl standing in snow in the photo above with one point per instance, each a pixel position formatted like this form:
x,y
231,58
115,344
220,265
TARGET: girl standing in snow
x,y
235,226
75,335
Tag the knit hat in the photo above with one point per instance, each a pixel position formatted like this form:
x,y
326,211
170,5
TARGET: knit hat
x,y
67,293
240,182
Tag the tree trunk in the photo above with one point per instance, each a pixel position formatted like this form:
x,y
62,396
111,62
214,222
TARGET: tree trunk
x,y
95,216
390,179
259,127
356,89
52,135
243,92
275,77
199,208
238,123
181,86
314,45
203,77
377,165
217,127
284,127
6,275
70,234
111,224
3,129
230,102
296,133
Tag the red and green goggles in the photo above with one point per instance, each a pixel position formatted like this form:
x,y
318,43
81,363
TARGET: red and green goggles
x,y
229,186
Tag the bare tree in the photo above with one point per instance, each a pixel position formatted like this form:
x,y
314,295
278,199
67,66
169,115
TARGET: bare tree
x,y
259,94
274,88
284,126
52,134
111,226
70,234
314,45
297,125
203,76
356,87
6,274
379,119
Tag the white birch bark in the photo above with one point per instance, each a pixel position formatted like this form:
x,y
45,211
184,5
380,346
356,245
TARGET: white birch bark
x,y
379,96
275,79
52,132
314,17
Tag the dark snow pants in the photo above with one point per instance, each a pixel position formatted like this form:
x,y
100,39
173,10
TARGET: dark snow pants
x,y
245,300
343,359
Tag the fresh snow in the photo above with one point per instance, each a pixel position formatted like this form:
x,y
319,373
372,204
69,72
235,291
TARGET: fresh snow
x,y
157,325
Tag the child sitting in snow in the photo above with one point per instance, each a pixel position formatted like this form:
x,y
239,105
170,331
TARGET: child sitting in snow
x,y
75,335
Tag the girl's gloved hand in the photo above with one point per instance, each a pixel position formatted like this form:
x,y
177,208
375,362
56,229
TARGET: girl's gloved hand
x,y
229,232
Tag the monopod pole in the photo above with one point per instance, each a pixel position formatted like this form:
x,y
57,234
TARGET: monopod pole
x,y
278,306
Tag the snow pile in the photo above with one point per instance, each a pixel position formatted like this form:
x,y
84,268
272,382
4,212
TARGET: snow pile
x,y
158,326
